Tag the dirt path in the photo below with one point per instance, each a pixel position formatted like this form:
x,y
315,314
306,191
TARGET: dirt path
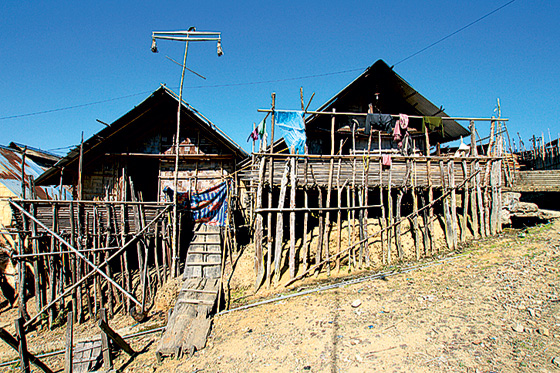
x,y
496,308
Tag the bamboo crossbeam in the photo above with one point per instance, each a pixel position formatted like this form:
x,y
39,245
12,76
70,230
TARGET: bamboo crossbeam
x,y
393,115
18,256
86,202
310,209
172,156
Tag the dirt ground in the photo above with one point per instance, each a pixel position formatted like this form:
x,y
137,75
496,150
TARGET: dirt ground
x,y
495,307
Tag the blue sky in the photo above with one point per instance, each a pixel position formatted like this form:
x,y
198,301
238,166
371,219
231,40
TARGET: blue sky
x,y
58,54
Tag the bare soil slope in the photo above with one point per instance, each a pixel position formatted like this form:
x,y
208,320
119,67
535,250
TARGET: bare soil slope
x,y
496,307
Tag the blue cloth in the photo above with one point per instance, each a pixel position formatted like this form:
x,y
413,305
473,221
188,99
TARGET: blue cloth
x,y
210,207
293,129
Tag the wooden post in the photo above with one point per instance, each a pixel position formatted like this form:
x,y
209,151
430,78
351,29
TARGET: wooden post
x,y
105,348
115,337
381,201
352,253
415,208
280,224
35,246
22,345
446,208
398,243
270,239
318,252
259,257
23,176
69,343
474,210
451,173
293,182
390,214
306,214
52,269
430,223
465,202
480,200
326,241
339,212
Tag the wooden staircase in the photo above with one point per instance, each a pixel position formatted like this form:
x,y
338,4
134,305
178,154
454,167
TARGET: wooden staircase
x,y
189,325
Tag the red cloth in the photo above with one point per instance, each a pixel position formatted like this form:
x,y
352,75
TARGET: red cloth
x,y
400,128
386,160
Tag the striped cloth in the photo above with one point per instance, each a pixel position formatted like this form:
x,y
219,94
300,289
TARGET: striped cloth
x,y
210,207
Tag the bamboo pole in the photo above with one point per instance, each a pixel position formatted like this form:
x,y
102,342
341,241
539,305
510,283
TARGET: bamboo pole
x,y
293,182
326,242
339,190
446,208
415,217
318,250
259,266
465,206
451,172
280,225
390,214
306,214
381,202
270,240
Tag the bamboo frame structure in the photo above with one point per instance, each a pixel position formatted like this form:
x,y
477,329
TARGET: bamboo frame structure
x,y
430,184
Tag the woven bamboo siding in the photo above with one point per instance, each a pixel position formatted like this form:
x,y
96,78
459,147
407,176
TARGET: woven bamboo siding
x,y
318,170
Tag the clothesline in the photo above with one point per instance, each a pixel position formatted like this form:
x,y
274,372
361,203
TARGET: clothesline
x,y
393,115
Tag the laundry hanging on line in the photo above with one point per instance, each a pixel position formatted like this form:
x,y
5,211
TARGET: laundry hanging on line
x,y
208,207
292,128
433,124
258,131
382,122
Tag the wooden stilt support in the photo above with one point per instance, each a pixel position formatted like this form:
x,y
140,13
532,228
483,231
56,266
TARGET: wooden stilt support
x,y
453,204
306,214
465,203
280,225
259,252
68,355
446,208
293,185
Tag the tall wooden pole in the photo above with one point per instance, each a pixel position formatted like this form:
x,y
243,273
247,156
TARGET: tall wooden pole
x,y
80,169
270,185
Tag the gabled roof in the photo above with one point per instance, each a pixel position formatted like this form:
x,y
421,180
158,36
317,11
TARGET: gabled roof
x,y
10,175
396,96
126,125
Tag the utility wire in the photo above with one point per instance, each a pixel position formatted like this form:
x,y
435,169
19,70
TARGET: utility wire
x,y
267,81
73,107
455,32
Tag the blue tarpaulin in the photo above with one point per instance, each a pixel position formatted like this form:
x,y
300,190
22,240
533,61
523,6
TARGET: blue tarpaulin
x,y
292,128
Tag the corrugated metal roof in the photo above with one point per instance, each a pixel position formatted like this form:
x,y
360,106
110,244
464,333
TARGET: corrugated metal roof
x,y
10,175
